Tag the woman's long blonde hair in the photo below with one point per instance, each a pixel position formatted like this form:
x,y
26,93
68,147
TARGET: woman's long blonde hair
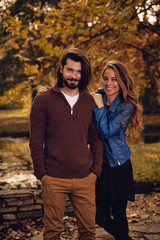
x,y
129,95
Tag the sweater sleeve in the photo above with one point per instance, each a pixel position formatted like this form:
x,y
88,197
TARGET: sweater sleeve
x,y
37,132
96,147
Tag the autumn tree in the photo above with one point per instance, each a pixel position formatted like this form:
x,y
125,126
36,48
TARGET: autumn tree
x,y
104,29
16,16
148,45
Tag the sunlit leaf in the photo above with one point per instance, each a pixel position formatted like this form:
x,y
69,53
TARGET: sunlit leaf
x,y
8,12
16,46
30,69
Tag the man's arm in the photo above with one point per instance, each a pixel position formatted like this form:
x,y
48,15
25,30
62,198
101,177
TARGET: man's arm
x,y
37,131
96,147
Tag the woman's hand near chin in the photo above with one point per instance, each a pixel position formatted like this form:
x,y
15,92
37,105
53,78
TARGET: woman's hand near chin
x,y
98,99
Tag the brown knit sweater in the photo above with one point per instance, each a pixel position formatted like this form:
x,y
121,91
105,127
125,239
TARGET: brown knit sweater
x,y
62,144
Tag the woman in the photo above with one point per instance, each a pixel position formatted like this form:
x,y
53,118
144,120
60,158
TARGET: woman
x,y
117,111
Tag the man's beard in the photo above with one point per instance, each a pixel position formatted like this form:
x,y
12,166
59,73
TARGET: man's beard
x,y
70,85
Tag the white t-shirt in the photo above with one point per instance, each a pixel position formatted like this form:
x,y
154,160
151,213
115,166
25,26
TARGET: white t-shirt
x,y
71,100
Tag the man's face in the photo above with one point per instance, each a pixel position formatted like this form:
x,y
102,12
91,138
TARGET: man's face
x,y
71,73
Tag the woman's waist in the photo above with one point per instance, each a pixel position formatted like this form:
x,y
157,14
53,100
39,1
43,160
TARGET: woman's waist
x,y
117,155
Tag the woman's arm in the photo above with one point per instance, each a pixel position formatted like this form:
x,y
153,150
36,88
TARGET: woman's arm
x,y
109,127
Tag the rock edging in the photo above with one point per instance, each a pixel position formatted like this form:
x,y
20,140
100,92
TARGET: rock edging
x,y
23,204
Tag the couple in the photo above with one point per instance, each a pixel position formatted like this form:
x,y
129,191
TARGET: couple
x,y
67,150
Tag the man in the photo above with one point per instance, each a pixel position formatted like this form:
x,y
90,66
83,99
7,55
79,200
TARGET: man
x,y
62,127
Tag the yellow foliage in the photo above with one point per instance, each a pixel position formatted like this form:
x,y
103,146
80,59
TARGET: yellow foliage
x,y
47,65
5,25
24,33
101,28
13,33
42,43
62,4
16,46
8,12
30,69
9,29
38,23
15,95
30,6
81,39
46,32
48,48
4,100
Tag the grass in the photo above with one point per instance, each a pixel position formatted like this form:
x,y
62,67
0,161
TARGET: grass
x,y
13,122
146,162
13,113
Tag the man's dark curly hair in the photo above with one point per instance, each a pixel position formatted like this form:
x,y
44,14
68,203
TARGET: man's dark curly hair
x,y
77,55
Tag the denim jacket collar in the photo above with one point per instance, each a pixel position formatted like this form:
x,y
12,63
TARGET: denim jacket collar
x,y
116,102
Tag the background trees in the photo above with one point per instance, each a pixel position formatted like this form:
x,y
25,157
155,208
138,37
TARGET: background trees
x,y
34,35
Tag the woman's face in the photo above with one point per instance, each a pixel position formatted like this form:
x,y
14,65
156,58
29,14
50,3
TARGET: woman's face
x,y
110,84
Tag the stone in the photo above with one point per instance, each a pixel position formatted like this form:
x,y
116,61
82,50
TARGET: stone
x,y
7,210
152,237
9,217
154,228
138,228
31,207
39,237
32,214
144,216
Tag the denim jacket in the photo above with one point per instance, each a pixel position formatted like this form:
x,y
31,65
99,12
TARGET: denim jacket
x,y
111,124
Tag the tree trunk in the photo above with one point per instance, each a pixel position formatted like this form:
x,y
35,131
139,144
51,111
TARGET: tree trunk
x,y
151,105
